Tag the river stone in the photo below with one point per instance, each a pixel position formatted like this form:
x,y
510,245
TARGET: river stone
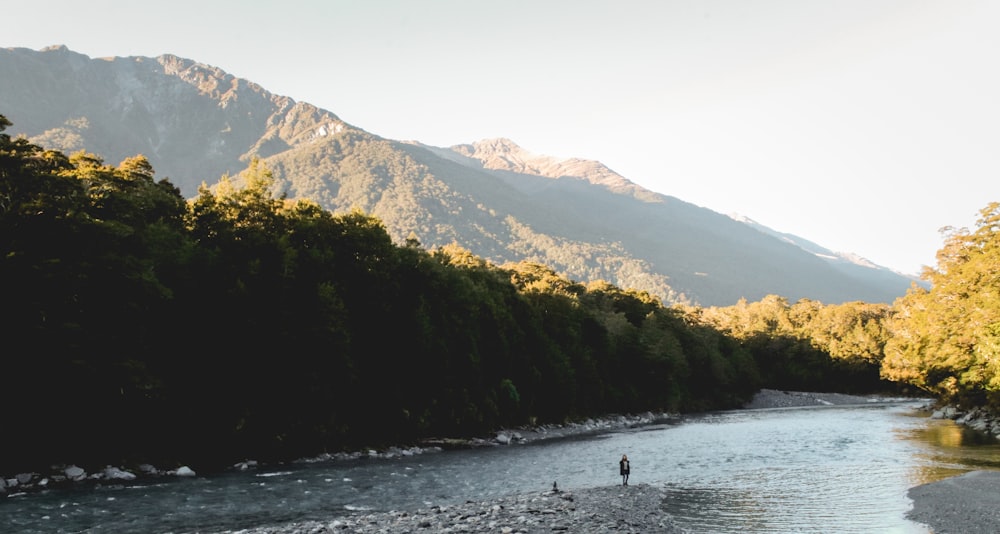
x,y
113,473
75,473
184,471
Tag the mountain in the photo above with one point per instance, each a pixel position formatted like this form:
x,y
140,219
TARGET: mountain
x,y
851,264
196,123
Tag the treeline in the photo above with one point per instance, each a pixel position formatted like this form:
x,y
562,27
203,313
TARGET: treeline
x,y
808,345
943,341
140,326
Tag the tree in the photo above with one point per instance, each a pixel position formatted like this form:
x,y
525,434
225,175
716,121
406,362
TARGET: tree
x,y
944,339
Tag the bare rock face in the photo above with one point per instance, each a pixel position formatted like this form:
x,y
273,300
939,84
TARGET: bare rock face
x,y
505,155
197,122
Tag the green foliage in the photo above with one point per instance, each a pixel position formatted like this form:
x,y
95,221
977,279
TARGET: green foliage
x,y
84,256
944,340
809,346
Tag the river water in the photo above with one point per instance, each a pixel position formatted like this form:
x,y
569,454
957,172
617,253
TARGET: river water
x,y
818,469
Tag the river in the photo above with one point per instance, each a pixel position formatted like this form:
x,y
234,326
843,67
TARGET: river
x,y
818,469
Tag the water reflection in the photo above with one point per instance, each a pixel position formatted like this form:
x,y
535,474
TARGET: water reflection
x,y
945,449
945,433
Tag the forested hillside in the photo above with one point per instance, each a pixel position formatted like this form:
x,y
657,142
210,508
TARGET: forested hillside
x,y
243,325
140,326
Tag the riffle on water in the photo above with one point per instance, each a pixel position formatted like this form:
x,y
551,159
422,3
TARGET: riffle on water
x,y
827,469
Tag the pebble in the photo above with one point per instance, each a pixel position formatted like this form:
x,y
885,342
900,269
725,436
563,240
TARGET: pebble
x,y
636,509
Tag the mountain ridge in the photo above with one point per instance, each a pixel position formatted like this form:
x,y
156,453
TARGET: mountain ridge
x,y
504,203
810,246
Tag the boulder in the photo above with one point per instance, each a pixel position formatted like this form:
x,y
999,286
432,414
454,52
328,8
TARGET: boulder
x,y
184,471
113,473
241,466
75,473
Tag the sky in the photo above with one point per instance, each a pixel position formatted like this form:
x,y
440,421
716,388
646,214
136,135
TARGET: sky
x,y
865,126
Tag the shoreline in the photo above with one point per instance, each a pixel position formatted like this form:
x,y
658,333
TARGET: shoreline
x,y
964,504
767,399
967,503
69,475
634,509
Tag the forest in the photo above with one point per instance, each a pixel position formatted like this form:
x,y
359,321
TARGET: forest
x,y
140,326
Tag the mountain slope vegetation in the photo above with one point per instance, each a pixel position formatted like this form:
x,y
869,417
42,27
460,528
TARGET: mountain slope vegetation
x,y
196,123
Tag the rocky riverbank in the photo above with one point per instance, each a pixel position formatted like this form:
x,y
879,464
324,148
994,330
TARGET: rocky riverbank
x,y
773,398
977,419
65,475
633,509
965,504
626,509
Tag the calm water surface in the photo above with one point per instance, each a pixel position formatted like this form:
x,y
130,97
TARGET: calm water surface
x,y
824,469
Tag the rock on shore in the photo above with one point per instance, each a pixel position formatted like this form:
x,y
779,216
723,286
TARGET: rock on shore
x,y
773,398
628,509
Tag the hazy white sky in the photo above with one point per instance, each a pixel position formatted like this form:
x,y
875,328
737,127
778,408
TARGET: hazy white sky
x,y
862,125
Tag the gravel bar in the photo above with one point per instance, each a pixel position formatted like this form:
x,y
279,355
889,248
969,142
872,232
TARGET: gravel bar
x,y
634,509
964,504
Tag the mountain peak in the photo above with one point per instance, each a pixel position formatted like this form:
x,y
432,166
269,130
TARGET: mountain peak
x,y
498,144
497,153
505,155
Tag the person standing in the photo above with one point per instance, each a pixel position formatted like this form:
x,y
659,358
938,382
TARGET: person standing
x,y
624,469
